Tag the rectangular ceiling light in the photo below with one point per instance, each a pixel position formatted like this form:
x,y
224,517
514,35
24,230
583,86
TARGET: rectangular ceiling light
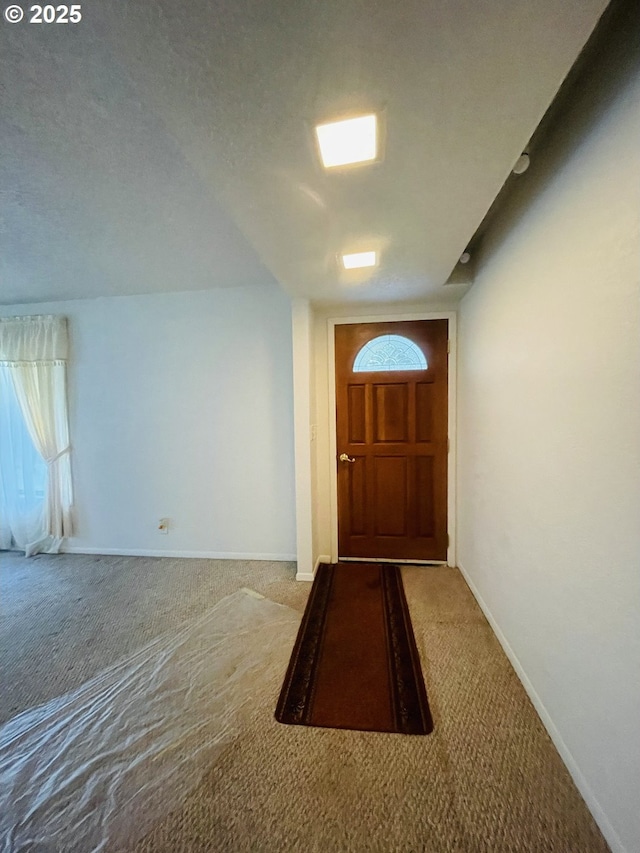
x,y
359,259
354,140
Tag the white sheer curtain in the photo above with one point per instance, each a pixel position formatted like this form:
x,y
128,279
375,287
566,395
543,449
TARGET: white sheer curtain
x,y
33,357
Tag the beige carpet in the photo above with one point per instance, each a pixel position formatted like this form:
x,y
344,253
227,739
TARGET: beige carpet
x,y
487,779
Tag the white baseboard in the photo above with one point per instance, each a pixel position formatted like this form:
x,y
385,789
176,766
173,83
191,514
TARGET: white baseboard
x,y
207,555
309,576
582,785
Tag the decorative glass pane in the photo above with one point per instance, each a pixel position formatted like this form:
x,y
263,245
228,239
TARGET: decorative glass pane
x,y
389,352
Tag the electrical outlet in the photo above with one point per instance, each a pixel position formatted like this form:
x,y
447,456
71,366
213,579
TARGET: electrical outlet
x,y
163,526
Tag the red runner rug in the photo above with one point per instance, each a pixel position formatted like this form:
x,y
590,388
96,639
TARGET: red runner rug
x,y
355,664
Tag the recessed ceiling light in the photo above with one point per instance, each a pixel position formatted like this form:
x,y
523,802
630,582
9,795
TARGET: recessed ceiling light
x,y
353,140
359,259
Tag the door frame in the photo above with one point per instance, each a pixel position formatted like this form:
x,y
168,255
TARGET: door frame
x,y
332,322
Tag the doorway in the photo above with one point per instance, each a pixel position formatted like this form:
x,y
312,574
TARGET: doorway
x,y
392,422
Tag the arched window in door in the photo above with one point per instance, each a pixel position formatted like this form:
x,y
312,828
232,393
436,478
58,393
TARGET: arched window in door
x,y
389,352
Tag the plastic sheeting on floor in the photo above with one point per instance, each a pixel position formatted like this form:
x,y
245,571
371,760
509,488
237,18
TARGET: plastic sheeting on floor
x,y
94,769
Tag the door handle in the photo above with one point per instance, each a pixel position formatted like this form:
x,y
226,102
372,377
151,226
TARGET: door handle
x,y
344,457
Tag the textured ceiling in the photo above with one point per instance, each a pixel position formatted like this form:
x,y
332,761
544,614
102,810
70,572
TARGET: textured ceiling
x,y
159,146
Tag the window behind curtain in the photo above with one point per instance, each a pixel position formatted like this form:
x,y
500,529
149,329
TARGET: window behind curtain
x,y
23,472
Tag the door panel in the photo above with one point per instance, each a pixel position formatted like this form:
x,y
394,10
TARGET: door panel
x,y
425,496
356,510
390,413
424,411
390,495
392,425
357,422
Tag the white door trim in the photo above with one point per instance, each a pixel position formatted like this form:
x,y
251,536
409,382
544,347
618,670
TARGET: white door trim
x,y
332,322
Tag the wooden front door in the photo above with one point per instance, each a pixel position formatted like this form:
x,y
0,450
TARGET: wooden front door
x,y
391,412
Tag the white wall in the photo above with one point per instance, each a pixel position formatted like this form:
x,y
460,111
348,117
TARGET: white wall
x,y
549,435
181,406
303,384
